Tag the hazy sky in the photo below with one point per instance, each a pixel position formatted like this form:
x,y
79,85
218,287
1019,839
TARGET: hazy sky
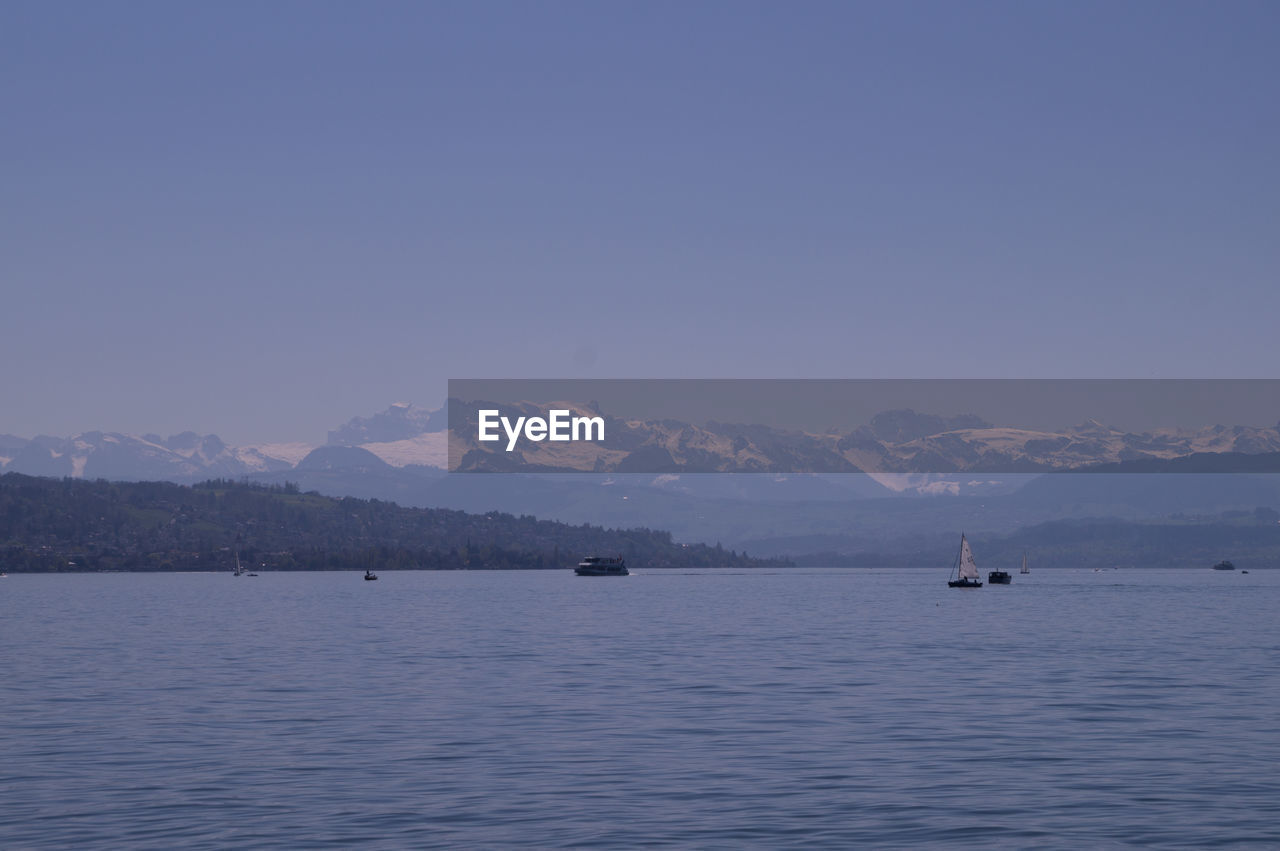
x,y
261,219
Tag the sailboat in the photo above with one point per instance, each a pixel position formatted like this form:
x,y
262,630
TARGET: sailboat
x,y
965,569
1025,569
241,571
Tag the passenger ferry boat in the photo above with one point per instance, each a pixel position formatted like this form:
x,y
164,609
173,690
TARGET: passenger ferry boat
x,y
601,566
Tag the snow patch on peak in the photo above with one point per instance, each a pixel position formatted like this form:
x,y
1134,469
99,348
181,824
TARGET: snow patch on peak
x,y
430,450
289,453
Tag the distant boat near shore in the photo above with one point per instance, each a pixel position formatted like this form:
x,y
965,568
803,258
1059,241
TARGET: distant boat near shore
x,y
1224,565
1025,569
600,566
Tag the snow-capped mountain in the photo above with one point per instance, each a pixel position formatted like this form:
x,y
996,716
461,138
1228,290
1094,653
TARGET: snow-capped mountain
x,y
895,442
401,421
991,448
400,436
906,451
428,450
111,455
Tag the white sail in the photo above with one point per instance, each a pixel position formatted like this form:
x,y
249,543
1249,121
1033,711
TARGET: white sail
x,y
968,568
1025,569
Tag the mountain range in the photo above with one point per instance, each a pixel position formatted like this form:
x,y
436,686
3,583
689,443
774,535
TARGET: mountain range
x,y
400,436
896,447
894,443
400,455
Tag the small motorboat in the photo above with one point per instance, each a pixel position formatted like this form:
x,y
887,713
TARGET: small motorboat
x,y
370,575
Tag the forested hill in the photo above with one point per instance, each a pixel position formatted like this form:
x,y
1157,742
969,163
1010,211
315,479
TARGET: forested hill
x,y
75,525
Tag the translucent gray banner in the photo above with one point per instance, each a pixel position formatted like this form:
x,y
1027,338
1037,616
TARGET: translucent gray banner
x,y
889,426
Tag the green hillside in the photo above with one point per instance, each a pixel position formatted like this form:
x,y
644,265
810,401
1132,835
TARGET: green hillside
x,y
54,525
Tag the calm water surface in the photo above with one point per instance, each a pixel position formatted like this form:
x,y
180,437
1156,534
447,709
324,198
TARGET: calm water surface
x,y
712,709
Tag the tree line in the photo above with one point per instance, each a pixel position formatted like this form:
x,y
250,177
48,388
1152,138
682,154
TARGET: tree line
x,y
50,525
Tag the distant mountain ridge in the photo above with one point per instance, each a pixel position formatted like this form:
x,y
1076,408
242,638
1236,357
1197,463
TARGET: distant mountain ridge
x,y
401,421
111,455
896,446
1252,539
400,436
766,513
894,442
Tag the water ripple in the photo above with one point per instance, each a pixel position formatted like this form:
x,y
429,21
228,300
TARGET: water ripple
x,y
710,710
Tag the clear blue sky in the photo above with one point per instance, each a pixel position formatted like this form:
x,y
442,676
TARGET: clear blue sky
x,y
261,219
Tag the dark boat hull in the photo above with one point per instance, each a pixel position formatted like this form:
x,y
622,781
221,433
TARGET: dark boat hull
x,y
999,577
965,583
601,566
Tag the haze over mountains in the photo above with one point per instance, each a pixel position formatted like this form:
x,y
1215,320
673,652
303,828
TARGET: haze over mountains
x,y
894,442
399,436
400,455
111,455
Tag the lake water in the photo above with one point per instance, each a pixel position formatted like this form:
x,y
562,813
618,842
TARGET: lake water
x,y
709,709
